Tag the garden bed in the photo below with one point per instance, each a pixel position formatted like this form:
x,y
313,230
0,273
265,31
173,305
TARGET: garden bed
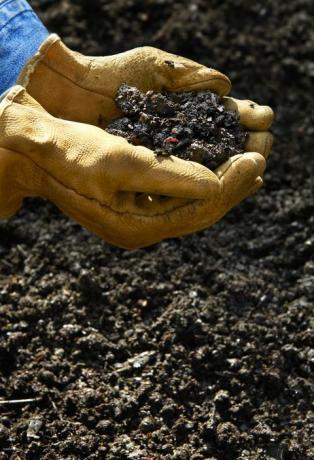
x,y
196,348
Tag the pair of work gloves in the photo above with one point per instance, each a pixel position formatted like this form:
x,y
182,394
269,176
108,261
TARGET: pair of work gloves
x,y
53,144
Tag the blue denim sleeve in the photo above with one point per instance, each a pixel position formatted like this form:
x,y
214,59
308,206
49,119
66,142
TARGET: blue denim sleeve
x,y
21,34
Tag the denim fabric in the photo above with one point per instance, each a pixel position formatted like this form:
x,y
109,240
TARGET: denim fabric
x,y
21,34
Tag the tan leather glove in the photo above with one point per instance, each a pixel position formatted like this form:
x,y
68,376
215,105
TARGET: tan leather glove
x,y
80,88
125,194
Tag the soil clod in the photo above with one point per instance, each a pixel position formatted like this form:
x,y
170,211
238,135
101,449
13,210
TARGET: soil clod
x,y
191,125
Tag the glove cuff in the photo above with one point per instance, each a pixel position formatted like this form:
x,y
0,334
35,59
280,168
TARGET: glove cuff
x,y
55,77
29,68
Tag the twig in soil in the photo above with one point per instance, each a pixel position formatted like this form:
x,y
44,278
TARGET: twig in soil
x,y
55,409
21,250
6,263
19,401
135,362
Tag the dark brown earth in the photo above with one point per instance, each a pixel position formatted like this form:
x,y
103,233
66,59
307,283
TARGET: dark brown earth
x,y
196,348
190,125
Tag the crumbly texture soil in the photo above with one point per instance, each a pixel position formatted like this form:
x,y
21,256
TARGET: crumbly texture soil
x,y
196,348
190,125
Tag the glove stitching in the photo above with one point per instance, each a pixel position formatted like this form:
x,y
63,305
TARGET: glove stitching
x,y
190,86
30,67
72,81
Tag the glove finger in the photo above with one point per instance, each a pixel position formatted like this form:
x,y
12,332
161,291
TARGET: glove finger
x,y
260,142
152,68
200,214
125,229
139,170
239,175
186,75
129,230
145,204
253,116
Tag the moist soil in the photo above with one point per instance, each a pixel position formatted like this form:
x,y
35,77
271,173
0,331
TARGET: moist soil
x,y
190,125
195,348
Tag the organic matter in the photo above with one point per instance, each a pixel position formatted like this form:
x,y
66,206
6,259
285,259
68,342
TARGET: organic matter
x,y
196,348
191,125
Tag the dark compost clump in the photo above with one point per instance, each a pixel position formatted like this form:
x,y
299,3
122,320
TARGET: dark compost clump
x,y
191,125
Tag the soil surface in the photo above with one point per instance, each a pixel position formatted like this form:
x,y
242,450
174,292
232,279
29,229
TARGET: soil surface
x,y
196,348
192,125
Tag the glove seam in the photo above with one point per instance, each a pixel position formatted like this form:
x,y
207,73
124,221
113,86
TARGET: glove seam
x,y
190,87
30,67
70,80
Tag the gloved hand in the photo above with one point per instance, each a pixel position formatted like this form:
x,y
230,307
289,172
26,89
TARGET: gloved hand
x,y
80,88
123,193
83,88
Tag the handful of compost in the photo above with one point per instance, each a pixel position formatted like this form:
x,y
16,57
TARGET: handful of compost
x,y
126,193
191,125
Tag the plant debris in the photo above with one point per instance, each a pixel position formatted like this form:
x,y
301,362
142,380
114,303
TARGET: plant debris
x,y
190,125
